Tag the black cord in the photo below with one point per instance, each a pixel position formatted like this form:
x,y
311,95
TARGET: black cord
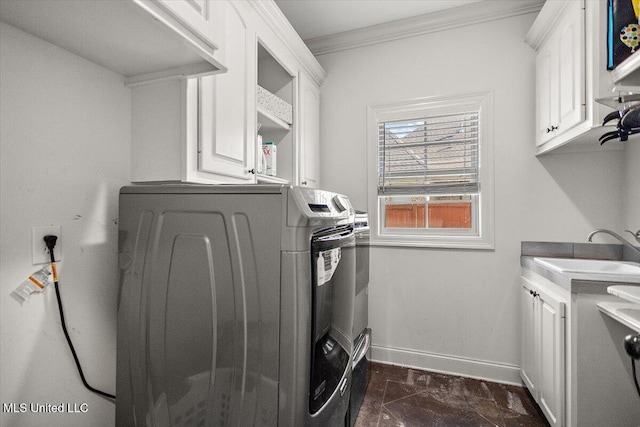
x,y
635,378
50,244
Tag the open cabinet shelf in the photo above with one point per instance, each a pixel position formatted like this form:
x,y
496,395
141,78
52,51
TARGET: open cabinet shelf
x,y
268,121
276,92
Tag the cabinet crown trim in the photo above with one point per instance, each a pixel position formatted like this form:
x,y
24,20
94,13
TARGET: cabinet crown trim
x,y
271,13
546,21
485,11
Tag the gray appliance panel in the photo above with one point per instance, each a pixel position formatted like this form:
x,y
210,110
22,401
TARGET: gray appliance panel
x,y
199,309
361,303
295,344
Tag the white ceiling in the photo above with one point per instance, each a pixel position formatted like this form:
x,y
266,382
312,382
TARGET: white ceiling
x,y
318,18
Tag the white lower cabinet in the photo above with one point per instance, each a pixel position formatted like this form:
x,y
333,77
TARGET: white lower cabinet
x,y
543,349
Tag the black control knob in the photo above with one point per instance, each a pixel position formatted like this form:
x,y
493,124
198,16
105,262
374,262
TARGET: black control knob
x,y
632,346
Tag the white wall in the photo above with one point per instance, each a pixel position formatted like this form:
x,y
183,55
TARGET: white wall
x,y
458,310
65,136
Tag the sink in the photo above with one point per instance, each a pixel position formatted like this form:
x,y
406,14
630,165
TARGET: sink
x,y
593,269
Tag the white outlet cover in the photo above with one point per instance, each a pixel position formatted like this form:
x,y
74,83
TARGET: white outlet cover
x,y
39,251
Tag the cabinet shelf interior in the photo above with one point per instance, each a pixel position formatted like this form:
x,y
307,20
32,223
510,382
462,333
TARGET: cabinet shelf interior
x,y
273,77
270,122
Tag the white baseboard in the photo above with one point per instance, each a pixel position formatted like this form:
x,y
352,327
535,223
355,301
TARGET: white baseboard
x,y
454,365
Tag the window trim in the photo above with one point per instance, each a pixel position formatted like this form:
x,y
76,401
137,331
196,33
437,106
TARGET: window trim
x,y
405,110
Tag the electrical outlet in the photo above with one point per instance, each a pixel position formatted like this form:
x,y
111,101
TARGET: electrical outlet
x,y
39,251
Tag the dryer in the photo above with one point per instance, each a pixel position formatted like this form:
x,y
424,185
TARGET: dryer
x,y
361,332
235,306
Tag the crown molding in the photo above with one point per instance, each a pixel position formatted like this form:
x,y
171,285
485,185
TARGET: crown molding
x,y
545,22
273,16
484,11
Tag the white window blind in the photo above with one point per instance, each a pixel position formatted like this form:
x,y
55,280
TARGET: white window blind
x,y
429,155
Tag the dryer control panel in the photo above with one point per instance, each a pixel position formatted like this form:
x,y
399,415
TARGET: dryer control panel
x,y
319,204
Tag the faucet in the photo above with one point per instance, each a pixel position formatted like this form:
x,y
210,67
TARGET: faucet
x,y
636,235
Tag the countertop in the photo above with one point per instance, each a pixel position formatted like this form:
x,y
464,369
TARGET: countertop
x,y
568,281
625,311
531,250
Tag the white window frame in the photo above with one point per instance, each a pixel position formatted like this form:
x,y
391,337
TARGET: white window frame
x,y
483,235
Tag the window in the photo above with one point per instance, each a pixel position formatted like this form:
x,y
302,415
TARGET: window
x,y
431,172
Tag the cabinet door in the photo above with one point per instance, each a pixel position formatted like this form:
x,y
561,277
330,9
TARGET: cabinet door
x,y
560,76
551,372
546,93
224,148
571,68
309,140
202,17
528,356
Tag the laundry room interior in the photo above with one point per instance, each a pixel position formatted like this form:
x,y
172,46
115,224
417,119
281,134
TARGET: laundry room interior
x,y
319,213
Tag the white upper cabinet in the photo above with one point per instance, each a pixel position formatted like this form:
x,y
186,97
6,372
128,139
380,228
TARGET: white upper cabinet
x,y
203,17
309,132
571,69
197,129
206,129
140,40
569,38
546,89
223,109
276,99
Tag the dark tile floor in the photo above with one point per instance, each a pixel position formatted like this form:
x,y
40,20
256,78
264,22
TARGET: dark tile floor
x,y
398,396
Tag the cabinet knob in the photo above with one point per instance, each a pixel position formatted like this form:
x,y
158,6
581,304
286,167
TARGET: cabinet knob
x,y
253,171
552,128
303,183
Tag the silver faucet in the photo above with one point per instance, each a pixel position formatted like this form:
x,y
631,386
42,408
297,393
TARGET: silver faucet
x,y
636,235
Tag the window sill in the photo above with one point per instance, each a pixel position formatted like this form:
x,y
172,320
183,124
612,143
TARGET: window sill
x,y
462,243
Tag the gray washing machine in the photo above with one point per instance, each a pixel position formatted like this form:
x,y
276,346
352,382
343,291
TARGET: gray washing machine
x,y
235,306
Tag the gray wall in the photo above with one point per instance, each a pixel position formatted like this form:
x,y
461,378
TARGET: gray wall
x,y
65,137
457,310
